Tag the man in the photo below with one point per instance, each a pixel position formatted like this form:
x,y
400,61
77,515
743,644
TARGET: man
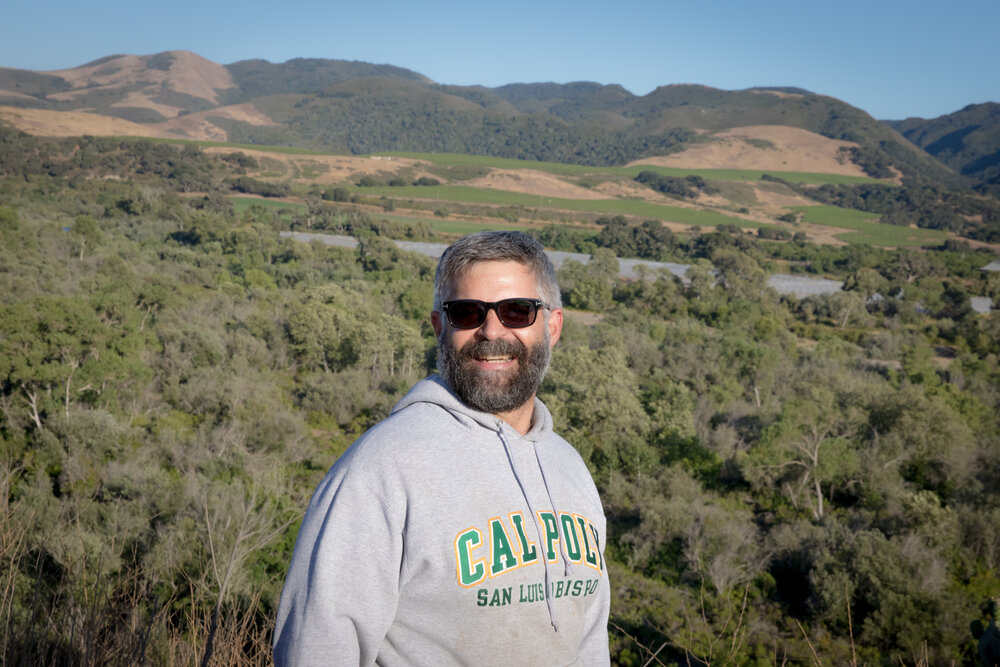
x,y
460,530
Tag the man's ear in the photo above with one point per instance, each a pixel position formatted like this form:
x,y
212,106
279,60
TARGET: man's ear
x,y
554,323
436,323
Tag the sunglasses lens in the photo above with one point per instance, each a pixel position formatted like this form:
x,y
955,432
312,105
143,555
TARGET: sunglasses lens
x,y
517,313
466,314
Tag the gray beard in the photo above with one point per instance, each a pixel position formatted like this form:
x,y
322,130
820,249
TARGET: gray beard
x,y
494,392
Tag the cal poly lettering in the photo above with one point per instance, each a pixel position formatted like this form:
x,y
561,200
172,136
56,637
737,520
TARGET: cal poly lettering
x,y
508,547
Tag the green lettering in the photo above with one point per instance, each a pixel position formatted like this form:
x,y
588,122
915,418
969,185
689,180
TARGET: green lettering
x,y
528,552
570,538
503,557
590,557
597,546
469,574
551,534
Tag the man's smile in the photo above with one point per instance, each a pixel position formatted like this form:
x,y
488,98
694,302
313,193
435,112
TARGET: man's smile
x,y
495,359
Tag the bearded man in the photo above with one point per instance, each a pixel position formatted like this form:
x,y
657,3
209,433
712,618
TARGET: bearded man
x,y
461,529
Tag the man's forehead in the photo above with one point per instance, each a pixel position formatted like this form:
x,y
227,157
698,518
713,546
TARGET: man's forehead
x,y
495,267
487,275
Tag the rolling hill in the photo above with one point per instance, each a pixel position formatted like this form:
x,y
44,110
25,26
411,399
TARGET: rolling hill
x,y
355,107
968,140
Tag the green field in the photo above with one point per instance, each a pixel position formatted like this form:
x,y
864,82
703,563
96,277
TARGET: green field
x,y
862,228
866,229
285,150
458,160
470,195
458,226
453,160
242,204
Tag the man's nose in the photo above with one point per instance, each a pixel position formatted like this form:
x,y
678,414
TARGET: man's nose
x,y
492,328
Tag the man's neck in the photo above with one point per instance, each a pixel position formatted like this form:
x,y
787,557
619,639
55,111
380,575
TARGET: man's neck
x,y
520,418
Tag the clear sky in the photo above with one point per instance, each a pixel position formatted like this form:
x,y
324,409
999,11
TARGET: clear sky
x,y
892,58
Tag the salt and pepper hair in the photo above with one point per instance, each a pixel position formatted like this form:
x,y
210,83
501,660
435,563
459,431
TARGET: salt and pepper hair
x,y
469,250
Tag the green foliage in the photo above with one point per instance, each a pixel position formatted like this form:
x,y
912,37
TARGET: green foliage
x,y
967,140
781,475
589,286
649,240
680,188
252,186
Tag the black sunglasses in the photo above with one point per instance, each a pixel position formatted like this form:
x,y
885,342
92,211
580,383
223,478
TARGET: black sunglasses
x,y
471,313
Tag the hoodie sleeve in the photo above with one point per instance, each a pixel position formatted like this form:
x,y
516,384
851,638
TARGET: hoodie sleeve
x,y
342,587
594,650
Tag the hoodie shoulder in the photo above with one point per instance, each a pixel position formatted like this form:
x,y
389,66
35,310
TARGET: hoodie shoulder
x,y
427,419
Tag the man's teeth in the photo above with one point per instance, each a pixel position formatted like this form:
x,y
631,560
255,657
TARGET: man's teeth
x,y
495,360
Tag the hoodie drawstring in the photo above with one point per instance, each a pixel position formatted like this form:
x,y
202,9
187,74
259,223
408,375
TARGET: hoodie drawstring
x,y
567,566
538,531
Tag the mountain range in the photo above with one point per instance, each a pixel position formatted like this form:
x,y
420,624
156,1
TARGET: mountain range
x,y
357,107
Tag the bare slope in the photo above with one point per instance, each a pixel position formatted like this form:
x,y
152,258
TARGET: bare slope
x,y
45,123
181,71
201,126
765,147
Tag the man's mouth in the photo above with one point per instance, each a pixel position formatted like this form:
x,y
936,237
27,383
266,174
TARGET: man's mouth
x,y
495,359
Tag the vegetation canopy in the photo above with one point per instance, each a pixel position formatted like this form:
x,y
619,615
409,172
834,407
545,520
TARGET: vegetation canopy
x,y
786,480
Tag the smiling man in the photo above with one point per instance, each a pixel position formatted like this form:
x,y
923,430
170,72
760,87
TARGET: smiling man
x,y
462,529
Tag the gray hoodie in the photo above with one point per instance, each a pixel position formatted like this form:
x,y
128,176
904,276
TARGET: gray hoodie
x,y
443,536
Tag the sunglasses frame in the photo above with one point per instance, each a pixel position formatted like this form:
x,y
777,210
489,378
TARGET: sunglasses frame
x,y
487,306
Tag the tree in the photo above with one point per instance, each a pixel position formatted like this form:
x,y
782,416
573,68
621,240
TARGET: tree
x,y
742,277
86,228
237,520
60,347
807,448
590,286
753,362
595,395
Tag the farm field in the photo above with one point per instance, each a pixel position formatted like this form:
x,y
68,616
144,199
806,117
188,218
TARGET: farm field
x,y
630,171
866,230
531,193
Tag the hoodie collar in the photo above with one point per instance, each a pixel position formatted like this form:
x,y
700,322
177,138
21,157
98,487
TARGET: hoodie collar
x,y
433,389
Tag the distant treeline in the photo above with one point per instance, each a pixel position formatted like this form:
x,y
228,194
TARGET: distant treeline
x,y
361,125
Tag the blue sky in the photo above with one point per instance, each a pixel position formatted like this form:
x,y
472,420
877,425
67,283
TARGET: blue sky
x,y
893,59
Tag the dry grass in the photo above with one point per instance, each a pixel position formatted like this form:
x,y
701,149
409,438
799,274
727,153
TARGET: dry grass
x,y
764,147
47,617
